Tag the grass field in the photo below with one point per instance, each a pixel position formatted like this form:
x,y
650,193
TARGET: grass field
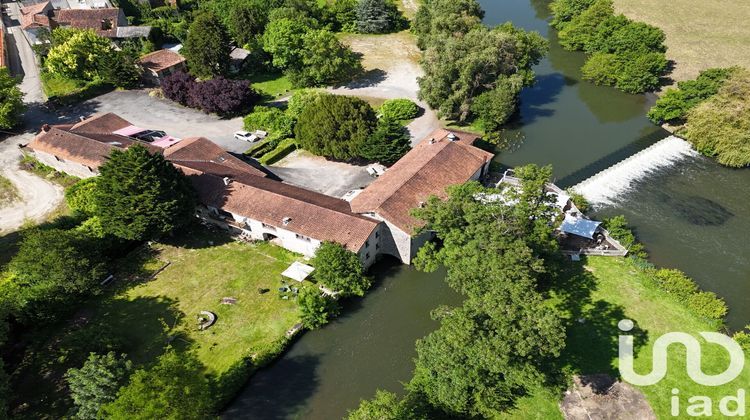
x,y
271,85
700,34
613,289
8,192
143,317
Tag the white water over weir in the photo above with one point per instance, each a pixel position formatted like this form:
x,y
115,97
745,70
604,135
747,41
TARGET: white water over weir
x,y
605,186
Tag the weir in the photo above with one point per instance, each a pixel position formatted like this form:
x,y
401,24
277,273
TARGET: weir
x,y
605,186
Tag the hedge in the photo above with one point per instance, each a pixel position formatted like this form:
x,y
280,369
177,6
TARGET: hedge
x,y
285,147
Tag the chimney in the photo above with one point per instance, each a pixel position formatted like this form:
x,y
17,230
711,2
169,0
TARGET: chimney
x,y
227,180
45,128
452,137
432,140
82,118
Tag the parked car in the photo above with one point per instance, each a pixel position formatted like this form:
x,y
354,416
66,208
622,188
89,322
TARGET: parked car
x,y
246,136
375,170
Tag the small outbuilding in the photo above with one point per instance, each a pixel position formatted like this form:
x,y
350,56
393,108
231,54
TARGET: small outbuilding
x,y
579,226
160,64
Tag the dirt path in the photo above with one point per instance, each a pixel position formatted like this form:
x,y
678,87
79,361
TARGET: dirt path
x,y
391,64
37,197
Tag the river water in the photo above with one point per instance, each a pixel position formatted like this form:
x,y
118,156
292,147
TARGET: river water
x,y
693,215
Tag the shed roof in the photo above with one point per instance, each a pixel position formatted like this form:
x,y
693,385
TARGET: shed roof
x,y
298,271
579,226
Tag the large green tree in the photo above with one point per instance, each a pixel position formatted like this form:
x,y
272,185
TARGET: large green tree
x,y
175,388
335,126
77,57
140,195
316,309
378,16
324,61
284,40
119,68
459,69
437,20
96,383
53,268
388,143
207,46
11,99
340,270
246,21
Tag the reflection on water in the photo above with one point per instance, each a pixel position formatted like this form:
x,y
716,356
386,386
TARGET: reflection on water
x,y
327,372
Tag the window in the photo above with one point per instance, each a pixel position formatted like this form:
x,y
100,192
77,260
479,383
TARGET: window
x,y
269,227
302,237
377,234
377,246
367,256
367,244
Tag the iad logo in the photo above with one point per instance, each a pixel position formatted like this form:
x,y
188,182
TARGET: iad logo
x,y
701,405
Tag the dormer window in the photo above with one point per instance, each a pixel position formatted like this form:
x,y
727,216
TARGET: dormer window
x,y
286,220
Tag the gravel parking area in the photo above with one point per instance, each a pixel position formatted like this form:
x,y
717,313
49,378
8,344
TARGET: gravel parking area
x,y
318,174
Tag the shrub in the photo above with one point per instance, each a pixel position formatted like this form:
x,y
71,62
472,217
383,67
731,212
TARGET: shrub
x,y
742,338
707,305
284,147
579,200
675,282
398,110
80,196
674,105
96,382
315,309
618,228
270,119
720,125
378,16
177,86
222,96
388,143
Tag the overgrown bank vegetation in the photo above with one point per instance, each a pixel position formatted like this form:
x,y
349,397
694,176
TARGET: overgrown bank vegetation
x,y
712,112
622,53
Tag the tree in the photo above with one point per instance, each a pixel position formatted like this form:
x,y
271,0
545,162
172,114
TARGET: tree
x,y
388,143
438,20
96,383
563,11
284,40
11,100
459,69
80,197
335,126
246,21
177,87
720,125
140,195
493,108
207,47
345,14
222,96
324,60
175,388
53,268
340,270
489,352
315,308
674,105
384,406
78,56
118,68
398,110
377,16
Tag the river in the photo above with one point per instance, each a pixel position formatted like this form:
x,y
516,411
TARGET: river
x,y
693,216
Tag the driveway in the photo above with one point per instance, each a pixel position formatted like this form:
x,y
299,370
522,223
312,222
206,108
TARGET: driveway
x,y
21,58
392,68
38,197
315,173
146,111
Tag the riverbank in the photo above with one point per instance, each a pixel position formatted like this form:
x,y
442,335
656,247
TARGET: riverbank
x,y
616,289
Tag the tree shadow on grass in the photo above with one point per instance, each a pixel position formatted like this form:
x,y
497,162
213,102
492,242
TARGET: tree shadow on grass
x,y
591,327
138,327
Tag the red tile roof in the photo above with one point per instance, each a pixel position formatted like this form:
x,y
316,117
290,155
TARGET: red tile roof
x,y
36,15
307,213
88,142
160,60
428,169
103,21
204,155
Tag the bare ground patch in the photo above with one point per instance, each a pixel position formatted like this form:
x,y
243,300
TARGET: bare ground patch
x,y
700,34
595,397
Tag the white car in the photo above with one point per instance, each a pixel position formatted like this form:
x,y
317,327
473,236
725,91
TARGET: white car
x,y
375,170
246,136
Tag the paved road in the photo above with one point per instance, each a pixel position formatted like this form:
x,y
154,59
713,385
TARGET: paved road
x,y
22,59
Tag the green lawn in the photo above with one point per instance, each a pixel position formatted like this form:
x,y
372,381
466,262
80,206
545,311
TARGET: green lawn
x,y
271,85
141,318
612,289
